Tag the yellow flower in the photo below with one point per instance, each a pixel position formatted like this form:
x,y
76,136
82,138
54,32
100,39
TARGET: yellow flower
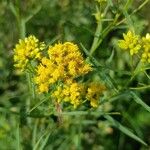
x,y
43,87
146,46
131,42
71,93
75,93
61,68
58,94
47,73
94,92
69,56
26,50
64,61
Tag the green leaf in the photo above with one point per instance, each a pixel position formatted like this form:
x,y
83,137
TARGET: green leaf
x,y
44,142
110,3
43,139
139,101
110,59
125,130
38,104
128,19
18,146
14,10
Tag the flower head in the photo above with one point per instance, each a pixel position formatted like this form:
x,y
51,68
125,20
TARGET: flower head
x,y
65,61
68,55
131,42
94,92
75,93
70,93
28,49
146,47
57,71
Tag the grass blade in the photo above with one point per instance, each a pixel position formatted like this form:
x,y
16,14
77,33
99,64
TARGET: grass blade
x,y
139,101
125,130
18,138
44,141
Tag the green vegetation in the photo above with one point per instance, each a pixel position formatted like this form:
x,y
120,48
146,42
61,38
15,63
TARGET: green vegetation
x,y
110,44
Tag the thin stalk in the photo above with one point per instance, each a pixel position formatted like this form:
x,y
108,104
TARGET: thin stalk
x,y
18,138
135,11
22,28
96,37
141,88
34,134
100,36
134,73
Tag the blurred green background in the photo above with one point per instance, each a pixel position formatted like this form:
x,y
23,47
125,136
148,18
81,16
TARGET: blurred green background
x,y
67,20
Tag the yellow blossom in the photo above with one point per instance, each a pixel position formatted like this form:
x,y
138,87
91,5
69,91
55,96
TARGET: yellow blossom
x,y
43,87
71,93
26,50
69,56
94,92
47,73
64,61
146,46
131,42
58,94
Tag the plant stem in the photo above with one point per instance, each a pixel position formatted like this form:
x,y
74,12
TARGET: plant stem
x,y
100,36
96,37
140,88
135,11
134,73
22,28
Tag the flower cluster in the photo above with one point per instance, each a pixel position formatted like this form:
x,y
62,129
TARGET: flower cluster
x,y
61,68
28,49
71,92
68,57
136,45
57,71
94,91
64,62
146,47
75,93
130,42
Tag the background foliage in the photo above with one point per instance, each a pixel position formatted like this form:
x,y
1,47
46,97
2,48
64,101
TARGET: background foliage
x,y
68,20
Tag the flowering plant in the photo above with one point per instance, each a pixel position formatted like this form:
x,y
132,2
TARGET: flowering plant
x,y
73,78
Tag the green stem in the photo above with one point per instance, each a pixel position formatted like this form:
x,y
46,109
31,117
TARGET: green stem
x,y
22,28
134,73
100,36
135,11
96,38
140,88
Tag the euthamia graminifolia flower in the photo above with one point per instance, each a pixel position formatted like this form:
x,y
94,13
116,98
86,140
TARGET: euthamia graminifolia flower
x,y
94,91
61,68
26,50
64,62
135,45
130,42
70,92
76,93
146,48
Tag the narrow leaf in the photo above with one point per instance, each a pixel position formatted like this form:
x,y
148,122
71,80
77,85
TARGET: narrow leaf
x,y
125,130
43,144
139,101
